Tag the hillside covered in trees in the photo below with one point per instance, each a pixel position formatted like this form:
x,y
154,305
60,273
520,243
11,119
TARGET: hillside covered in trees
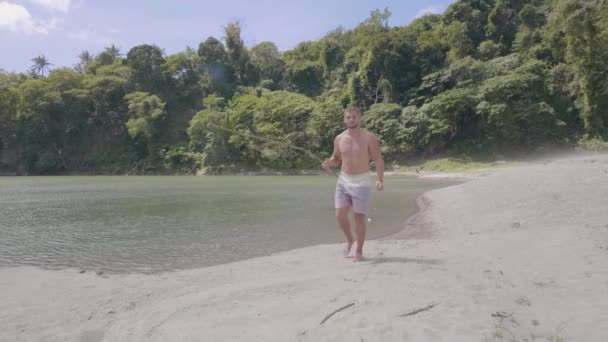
x,y
484,77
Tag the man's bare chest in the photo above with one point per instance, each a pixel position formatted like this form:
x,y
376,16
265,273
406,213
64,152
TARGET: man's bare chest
x,y
352,146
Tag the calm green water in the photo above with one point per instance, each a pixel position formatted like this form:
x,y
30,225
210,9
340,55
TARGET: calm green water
x,y
151,224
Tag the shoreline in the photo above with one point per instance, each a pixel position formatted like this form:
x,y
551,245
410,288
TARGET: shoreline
x,y
416,225
419,202
387,220
462,169
393,224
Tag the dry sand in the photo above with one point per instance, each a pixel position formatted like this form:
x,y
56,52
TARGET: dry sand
x,y
518,255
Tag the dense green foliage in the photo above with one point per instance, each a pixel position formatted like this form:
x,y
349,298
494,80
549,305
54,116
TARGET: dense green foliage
x,y
486,76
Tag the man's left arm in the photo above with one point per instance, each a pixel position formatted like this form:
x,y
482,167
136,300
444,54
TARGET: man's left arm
x,y
376,155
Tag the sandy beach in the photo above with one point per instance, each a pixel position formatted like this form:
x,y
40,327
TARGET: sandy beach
x,y
520,254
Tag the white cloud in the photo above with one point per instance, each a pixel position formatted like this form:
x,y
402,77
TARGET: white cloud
x,y
89,34
16,18
55,5
432,9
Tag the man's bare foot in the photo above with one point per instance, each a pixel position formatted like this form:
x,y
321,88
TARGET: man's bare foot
x,y
348,247
358,256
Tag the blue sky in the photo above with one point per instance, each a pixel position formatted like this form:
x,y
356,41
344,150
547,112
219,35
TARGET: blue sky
x,y
61,29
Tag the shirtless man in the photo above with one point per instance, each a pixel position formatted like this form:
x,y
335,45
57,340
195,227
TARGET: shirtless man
x,y
353,149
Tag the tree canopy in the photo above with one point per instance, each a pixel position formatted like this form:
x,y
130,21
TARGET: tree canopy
x,y
486,76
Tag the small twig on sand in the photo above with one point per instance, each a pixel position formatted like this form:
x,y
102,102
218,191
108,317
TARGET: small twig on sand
x,y
336,311
502,314
417,311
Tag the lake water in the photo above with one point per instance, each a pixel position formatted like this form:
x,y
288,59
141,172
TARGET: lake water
x,y
149,224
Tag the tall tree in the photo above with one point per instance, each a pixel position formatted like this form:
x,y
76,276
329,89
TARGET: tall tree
x,y
237,52
585,26
84,58
265,57
147,62
41,65
113,51
145,112
216,72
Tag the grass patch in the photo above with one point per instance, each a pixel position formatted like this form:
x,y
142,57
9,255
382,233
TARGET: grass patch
x,y
593,145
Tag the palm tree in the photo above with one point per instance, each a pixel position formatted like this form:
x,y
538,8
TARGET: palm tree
x,y
41,65
85,58
114,51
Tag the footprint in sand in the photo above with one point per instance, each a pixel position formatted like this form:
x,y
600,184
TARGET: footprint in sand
x,y
523,301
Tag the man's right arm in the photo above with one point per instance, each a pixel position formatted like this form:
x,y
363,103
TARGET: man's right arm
x,y
335,157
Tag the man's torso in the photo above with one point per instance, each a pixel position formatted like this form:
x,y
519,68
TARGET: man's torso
x,y
354,152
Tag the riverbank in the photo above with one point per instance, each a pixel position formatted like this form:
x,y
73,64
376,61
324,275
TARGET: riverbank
x,y
413,167
519,254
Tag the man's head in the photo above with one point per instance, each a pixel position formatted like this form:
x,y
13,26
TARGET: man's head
x,y
352,117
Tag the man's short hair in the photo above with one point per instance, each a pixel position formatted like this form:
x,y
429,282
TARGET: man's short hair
x,y
352,109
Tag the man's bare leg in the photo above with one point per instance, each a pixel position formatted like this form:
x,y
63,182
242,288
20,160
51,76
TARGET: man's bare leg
x,y
342,216
360,230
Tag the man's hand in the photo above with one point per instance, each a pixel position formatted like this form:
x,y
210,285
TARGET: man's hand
x,y
379,185
335,158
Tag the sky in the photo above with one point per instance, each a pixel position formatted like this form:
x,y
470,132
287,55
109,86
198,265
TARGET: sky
x,y
61,29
